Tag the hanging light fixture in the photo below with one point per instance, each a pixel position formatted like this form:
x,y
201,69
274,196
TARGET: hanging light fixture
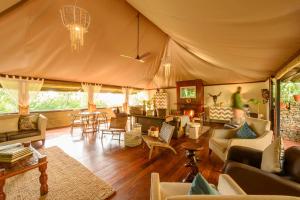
x,y
77,21
166,62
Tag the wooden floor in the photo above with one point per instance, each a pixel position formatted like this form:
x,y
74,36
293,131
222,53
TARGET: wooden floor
x,y
128,169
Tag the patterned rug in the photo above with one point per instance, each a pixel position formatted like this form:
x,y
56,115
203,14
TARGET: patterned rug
x,y
67,179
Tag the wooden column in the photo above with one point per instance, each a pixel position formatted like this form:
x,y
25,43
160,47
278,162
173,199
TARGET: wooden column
x,y
277,109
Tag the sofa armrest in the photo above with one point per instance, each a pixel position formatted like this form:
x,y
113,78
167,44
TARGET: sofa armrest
x,y
232,197
155,187
227,186
42,125
255,181
245,155
224,133
259,143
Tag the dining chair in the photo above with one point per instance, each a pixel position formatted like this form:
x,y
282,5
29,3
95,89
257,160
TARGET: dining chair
x,y
75,122
117,126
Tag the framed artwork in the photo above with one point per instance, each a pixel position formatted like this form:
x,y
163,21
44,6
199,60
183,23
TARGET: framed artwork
x,y
188,92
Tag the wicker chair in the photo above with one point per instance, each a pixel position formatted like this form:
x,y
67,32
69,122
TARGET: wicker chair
x,y
117,126
163,141
75,122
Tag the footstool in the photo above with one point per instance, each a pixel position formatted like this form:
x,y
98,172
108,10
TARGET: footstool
x,y
193,130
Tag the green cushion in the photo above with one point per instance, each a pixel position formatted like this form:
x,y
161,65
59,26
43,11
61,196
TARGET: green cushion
x,y
201,186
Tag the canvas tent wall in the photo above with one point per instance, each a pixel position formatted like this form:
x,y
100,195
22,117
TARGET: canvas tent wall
x,y
217,41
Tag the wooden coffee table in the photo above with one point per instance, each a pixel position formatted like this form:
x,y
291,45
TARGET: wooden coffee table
x,y
35,161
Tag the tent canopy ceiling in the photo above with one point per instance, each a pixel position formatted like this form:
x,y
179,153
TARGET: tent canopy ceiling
x,y
216,41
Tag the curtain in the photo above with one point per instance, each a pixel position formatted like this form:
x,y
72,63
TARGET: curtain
x,y
91,89
20,88
126,92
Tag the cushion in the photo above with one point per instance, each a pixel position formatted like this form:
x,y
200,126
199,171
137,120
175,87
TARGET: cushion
x,y
259,126
9,123
3,138
166,132
245,132
22,134
201,186
28,122
273,157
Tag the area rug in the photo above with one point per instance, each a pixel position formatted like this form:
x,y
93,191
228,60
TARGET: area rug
x,y
67,179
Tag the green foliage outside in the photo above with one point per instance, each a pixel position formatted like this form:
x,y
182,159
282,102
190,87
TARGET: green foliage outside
x,y
288,90
54,100
7,104
50,100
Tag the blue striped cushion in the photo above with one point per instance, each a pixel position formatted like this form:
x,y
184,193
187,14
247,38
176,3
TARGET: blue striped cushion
x,y
245,132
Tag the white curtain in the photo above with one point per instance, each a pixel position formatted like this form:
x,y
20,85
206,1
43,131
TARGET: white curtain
x,y
91,89
126,92
19,88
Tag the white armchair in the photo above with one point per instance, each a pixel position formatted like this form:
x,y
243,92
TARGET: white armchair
x,y
168,190
222,139
227,187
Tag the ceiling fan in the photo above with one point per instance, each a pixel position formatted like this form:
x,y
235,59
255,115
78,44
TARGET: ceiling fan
x,y
139,58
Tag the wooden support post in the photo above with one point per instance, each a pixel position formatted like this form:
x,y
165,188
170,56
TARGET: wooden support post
x,y
277,108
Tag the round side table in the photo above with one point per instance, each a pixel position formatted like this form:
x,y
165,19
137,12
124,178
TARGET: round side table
x,y
191,149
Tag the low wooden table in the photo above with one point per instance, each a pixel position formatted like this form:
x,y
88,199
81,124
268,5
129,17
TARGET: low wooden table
x,y
35,161
191,148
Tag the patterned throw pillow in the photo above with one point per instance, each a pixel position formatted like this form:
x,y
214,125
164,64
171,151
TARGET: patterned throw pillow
x,y
28,122
245,132
166,132
273,157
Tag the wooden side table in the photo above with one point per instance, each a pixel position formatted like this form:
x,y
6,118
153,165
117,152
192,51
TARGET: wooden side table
x,y
191,163
37,161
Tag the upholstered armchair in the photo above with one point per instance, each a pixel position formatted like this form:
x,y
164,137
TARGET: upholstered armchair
x,y
178,190
222,139
244,166
228,188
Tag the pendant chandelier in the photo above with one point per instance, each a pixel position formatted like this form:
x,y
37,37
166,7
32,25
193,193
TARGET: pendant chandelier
x,y
166,62
77,21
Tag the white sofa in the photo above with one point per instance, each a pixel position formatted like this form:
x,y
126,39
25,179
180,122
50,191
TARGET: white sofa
x,y
10,133
227,187
222,139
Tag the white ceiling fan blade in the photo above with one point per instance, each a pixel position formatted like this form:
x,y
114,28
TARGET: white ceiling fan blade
x,y
124,56
140,60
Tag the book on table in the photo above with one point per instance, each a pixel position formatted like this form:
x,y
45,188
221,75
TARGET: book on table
x,y
14,152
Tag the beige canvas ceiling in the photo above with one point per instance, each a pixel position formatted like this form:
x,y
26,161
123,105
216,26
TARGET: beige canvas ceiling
x,y
218,41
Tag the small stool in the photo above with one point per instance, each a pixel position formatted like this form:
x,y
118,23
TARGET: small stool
x,y
191,149
193,130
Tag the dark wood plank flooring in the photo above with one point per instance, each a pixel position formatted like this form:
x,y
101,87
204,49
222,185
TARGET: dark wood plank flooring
x,y
128,169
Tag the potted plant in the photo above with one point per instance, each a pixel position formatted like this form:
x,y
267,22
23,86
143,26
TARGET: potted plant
x,y
287,94
256,102
297,94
